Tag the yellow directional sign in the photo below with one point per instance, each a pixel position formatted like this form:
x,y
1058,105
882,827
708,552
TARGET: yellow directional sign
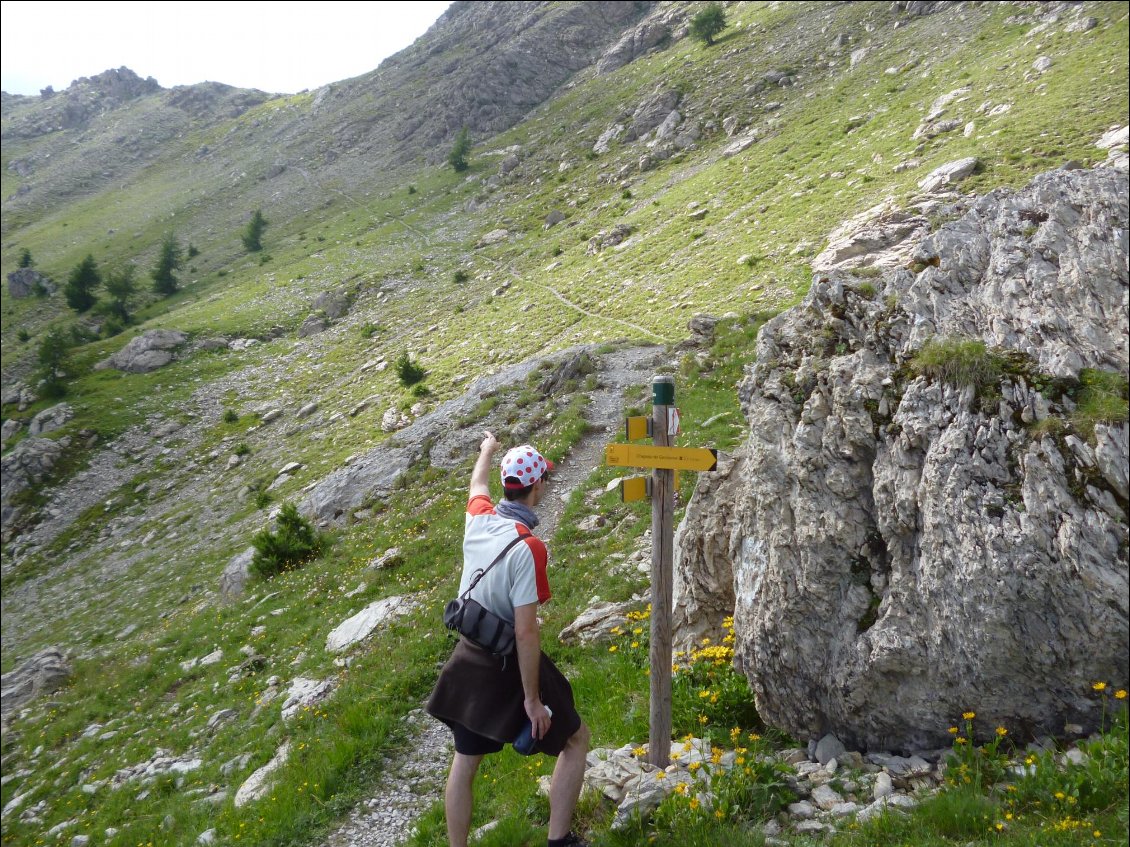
x,y
636,428
634,488
670,458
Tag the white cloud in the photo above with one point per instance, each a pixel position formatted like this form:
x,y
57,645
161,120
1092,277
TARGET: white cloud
x,y
277,47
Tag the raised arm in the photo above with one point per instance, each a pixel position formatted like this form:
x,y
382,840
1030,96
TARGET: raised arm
x,y
480,476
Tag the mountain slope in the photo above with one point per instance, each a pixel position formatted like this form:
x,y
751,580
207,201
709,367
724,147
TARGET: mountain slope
x,y
550,240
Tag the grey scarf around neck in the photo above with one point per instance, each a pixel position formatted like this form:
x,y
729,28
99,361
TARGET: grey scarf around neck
x,y
517,512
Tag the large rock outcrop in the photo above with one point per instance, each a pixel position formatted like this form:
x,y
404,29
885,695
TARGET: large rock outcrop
x,y
899,547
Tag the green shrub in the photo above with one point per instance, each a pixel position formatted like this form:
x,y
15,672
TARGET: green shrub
x,y
252,236
230,416
295,542
241,449
960,362
25,259
1102,398
708,23
408,372
460,275
457,158
23,336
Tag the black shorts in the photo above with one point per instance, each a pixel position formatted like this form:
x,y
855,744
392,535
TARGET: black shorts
x,y
471,743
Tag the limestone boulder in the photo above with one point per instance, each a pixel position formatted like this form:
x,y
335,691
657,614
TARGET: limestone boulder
x,y
45,672
361,625
147,352
898,547
50,419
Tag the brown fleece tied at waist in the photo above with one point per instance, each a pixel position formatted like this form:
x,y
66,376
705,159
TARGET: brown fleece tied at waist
x,y
483,692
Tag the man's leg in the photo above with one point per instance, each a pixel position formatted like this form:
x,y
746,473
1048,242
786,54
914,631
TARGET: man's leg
x,y
568,777
458,800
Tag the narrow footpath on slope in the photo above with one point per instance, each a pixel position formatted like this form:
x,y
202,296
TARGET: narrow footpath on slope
x,y
415,775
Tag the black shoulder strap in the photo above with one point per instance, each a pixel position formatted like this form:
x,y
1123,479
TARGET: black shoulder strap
x,y
497,559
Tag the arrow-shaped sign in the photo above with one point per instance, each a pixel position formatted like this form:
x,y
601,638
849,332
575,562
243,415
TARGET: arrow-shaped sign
x,y
669,458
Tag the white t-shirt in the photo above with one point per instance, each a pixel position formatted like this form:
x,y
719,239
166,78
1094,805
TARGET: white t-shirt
x,y
520,578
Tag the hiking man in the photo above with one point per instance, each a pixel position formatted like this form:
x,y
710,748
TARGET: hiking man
x,y
487,699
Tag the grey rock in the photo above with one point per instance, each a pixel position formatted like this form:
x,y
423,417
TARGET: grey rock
x,y
256,786
604,142
1042,64
10,428
882,236
829,748
652,112
359,626
633,44
826,797
830,625
803,810
334,303
237,573
596,622
1082,24
948,173
313,325
390,558
883,785
740,144
146,352
45,672
26,465
23,282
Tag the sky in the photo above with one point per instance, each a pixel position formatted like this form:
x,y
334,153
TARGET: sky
x,y
280,47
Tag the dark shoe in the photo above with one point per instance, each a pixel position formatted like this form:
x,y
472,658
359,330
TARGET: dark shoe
x,y
571,840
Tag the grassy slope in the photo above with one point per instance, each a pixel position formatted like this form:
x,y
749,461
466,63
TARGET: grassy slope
x,y
764,203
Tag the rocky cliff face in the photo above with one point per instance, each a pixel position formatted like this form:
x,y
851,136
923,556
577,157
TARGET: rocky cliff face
x,y
900,545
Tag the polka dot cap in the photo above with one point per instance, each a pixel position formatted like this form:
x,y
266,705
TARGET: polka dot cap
x,y
524,464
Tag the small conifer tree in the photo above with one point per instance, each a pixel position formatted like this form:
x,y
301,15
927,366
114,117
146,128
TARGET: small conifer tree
x,y
168,261
408,371
53,354
25,259
80,286
253,235
457,158
121,287
294,542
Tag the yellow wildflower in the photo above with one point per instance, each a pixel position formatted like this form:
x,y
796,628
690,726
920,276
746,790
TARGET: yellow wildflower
x,y
660,775
694,803
1001,731
612,649
1099,686
694,766
1120,694
968,715
953,730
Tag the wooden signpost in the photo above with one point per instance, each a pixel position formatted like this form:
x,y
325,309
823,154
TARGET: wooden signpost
x,y
664,459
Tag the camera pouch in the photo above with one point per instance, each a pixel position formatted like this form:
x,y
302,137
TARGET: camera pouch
x,y
475,622
479,625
